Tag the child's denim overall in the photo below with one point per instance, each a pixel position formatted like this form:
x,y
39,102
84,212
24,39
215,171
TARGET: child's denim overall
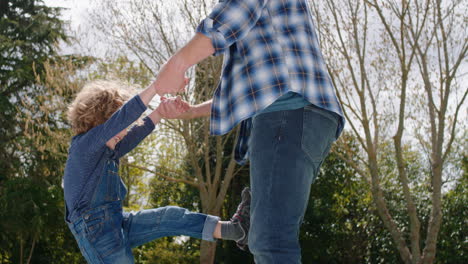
x,y
106,234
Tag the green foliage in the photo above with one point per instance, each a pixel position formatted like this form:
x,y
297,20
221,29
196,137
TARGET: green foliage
x,y
31,161
32,200
32,213
341,224
453,242
334,228
167,251
28,33
164,193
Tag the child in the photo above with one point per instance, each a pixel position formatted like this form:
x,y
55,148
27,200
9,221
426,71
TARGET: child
x,y
94,191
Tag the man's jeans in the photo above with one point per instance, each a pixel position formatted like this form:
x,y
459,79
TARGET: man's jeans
x,y
286,151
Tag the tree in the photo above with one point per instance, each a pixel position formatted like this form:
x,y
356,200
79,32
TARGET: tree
x,y
29,197
28,33
377,66
32,200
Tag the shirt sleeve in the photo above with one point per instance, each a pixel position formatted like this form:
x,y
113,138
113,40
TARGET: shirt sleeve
x,y
134,137
96,138
230,21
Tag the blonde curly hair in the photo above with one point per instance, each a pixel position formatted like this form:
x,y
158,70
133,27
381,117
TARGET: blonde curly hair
x,y
96,103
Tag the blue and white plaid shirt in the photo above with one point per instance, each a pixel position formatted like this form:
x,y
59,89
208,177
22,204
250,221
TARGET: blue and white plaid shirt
x,y
270,48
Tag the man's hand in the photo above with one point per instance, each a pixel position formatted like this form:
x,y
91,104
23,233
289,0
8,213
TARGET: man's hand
x,y
172,108
171,78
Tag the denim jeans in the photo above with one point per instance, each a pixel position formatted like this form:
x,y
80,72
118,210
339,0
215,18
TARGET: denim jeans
x,y
286,151
106,234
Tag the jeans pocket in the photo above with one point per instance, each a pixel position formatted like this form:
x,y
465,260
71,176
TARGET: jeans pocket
x,y
107,236
267,131
94,223
318,132
109,242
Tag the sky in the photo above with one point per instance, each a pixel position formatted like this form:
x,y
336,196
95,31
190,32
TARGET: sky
x,y
75,13
75,9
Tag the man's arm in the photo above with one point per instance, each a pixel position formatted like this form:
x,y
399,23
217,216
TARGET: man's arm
x,y
228,22
196,111
197,49
184,110
172,74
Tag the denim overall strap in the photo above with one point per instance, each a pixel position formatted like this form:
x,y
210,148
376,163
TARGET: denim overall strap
x,y
110,187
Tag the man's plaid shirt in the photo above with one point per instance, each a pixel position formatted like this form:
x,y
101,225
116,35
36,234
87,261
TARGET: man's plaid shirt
x,y
270,47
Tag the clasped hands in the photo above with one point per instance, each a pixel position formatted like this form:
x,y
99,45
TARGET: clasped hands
x,y
171,80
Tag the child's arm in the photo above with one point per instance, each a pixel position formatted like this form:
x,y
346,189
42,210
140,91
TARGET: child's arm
x,y
97,137
136,134
168,107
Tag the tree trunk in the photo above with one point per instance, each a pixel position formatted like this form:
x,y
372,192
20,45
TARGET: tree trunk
x,y
207,252
32,250
436,216
21,250
207,249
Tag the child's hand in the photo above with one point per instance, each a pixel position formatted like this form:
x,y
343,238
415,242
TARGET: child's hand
x,y
171,108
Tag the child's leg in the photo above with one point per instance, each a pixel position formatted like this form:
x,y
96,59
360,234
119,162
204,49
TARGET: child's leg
x,y
146,225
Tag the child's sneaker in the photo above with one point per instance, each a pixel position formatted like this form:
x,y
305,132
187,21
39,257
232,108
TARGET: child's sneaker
x,y
242,216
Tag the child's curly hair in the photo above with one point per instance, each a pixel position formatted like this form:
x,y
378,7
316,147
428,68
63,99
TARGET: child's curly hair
x,y
96,103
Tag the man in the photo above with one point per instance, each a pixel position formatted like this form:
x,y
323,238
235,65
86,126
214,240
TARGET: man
x,y
274,83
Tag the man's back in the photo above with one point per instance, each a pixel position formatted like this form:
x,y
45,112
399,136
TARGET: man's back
x,y
270,48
